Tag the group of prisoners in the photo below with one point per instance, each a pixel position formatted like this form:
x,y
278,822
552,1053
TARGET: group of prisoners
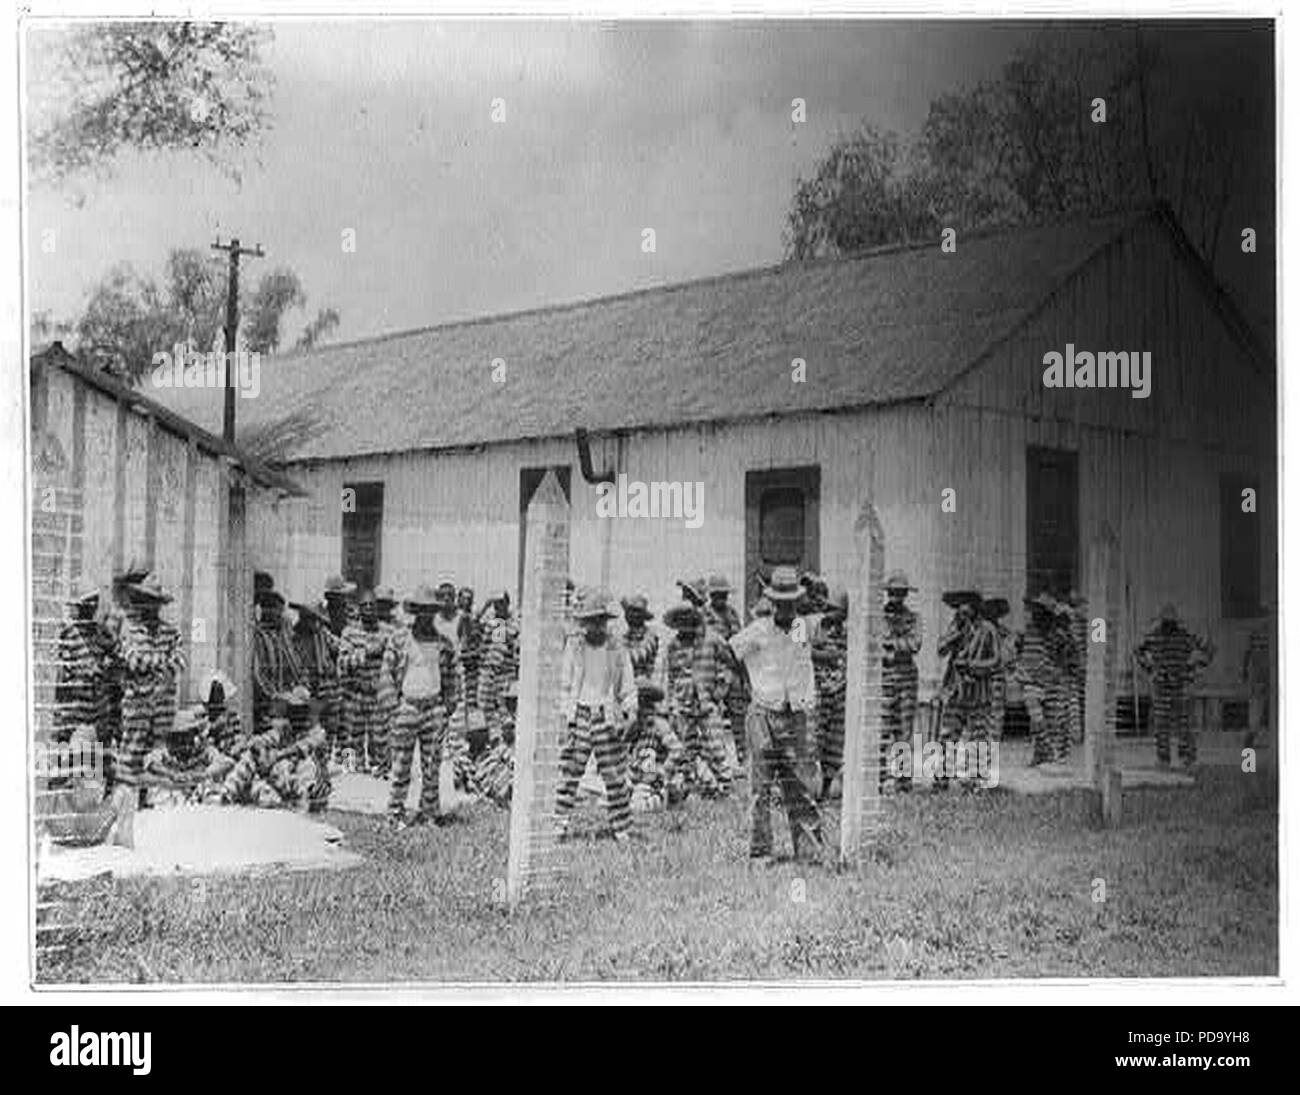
x,y
359,680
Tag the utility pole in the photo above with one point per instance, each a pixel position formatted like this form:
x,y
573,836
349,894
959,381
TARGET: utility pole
x,y
232,325
235,611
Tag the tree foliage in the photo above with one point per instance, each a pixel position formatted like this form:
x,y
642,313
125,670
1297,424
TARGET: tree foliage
x,y
97,90
1023,147
131,317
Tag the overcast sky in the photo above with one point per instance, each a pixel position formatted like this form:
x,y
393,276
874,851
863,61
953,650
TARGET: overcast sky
x,y
386,128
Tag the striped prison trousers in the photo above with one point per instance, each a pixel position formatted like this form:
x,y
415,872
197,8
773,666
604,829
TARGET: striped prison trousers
x,y
420,721
587,732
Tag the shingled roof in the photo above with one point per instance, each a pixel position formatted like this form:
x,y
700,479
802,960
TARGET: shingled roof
x,y
892,325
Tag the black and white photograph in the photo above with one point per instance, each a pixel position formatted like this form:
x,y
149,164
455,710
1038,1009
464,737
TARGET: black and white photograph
x,y
649,500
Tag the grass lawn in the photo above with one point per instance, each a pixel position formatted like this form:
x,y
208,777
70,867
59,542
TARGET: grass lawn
x,y
993,886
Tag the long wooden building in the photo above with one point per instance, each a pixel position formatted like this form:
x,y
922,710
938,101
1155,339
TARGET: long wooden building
x,y
909,375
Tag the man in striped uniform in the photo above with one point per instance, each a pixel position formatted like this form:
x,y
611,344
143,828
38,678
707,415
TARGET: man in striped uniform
x,y
275,662
340,603
995,610
494,771
982,658
655,753
958,689
361,652
185,766
151,658
642,643
499,664
904,634
1172,656
830,650
425,668
455,745
1039,669
224,726
317,651
721,617
81,693
600,696
783,696
386,706
1074,621
693,677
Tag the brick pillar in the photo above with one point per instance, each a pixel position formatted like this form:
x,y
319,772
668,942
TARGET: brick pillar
x,y
534,849
863,709
1100,689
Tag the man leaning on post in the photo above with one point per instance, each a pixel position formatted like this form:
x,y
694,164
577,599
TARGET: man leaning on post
x,y
782,696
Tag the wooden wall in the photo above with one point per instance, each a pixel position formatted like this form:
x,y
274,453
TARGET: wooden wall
x,y
152,496
1150,467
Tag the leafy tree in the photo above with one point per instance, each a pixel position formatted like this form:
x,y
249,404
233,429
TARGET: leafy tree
x,y
130,317
1022,147
320,327
97,90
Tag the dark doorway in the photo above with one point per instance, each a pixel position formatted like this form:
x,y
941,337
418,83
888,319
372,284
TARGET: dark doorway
x,y
529,480
363,523
1052,510
782,524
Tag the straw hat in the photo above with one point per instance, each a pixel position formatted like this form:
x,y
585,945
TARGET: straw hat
x,y
898,580
425,596
683,615
591,603
784,585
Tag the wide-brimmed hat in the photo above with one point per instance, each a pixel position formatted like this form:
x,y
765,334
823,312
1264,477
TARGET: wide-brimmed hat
x,y
228,687
648,691
385,595
994,608
683,615
762,607
717,583
149,589
637,604
305,610
590,603
898,580
1042,600
955,598
268,596
425,596
784,585
693,589
335,586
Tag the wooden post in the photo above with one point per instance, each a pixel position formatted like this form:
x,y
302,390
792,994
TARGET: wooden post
x,y
1100,691
533,835
861,808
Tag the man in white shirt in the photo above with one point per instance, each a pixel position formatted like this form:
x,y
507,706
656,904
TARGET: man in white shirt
x,y
782,696
600,698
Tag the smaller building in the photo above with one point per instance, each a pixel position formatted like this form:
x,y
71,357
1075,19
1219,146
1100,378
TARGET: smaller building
x,y
117,478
